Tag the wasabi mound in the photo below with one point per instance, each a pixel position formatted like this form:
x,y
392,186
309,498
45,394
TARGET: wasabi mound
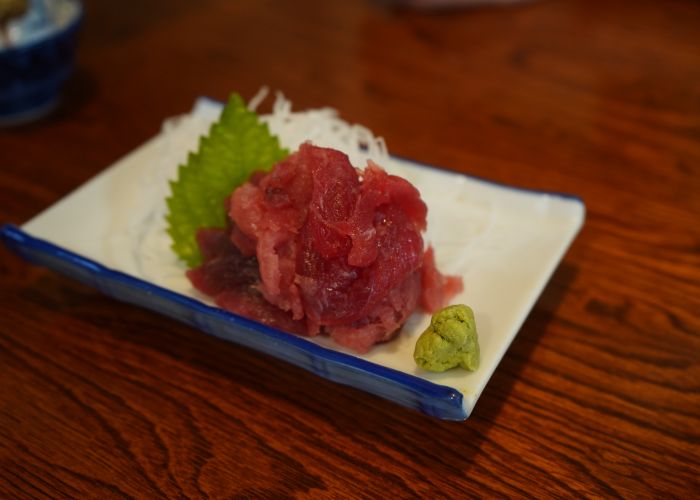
x,y
450,341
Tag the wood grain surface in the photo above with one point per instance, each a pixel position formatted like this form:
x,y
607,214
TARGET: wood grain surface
x,y
598,396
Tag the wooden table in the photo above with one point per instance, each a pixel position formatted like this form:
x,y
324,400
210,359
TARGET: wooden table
x,y
598,396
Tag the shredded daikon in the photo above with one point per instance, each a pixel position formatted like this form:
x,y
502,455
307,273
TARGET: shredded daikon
x,y
322,127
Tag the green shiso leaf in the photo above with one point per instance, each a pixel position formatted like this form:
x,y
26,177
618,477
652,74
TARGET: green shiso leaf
x,y
238,144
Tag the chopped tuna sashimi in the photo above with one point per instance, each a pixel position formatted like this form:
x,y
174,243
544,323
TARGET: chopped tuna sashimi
x,y
317,246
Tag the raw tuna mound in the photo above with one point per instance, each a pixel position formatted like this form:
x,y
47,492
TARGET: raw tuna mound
x,y
316,246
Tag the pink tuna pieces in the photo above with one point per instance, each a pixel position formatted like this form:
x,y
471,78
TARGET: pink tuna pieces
x,y
233,280
338,251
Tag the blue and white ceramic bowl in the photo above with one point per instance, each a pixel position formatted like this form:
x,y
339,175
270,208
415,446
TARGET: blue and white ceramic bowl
x,y
39,59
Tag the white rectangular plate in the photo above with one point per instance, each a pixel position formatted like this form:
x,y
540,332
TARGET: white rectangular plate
x,y
504,242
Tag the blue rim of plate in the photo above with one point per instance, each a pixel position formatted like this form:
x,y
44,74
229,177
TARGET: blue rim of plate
x,y
432,399
558,194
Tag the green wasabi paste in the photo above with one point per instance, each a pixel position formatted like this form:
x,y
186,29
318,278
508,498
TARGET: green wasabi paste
x,y
449,341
